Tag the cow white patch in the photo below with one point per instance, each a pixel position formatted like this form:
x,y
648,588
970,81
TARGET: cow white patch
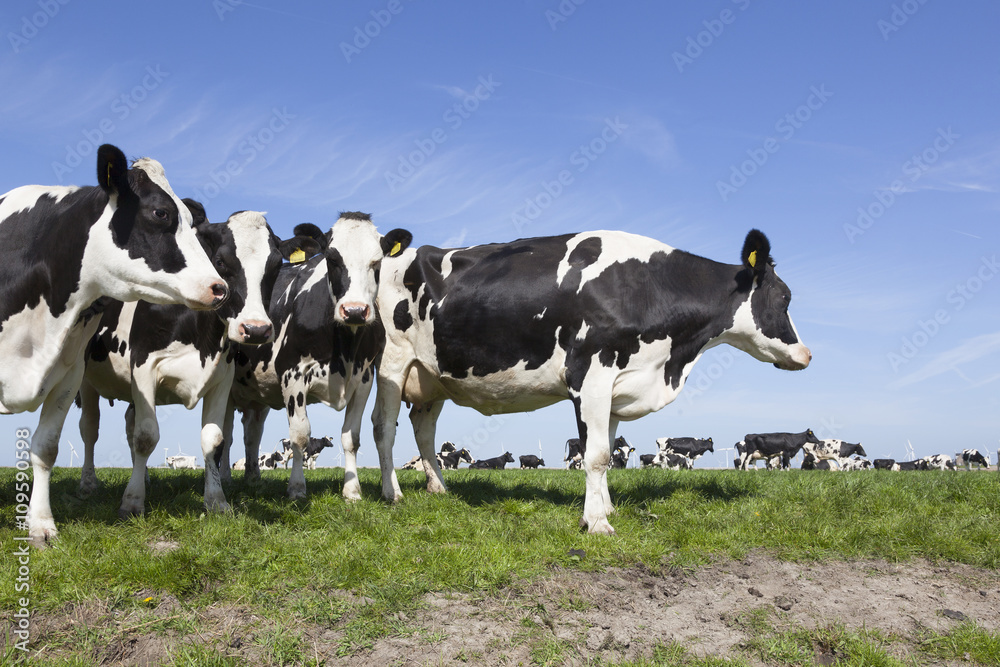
x,y
252,238
615,247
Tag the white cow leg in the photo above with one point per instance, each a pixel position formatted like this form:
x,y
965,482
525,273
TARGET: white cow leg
x,y
350,438
90,425
424,420
612,432
253,430
213,414
44,449
299,431
145,434
593,415
388,397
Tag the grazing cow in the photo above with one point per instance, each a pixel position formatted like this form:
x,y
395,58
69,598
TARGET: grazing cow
x,y
64,251
832,450
972,457
450,460
855,464
692,448
153,355
313,449
574,454
610,321
648,460
328,336
273,460
672,461
810,462
178,462
771,445
530,461
495,463
939,462
771,462
883,464
919,464
412,464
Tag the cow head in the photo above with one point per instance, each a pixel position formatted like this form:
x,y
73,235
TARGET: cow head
x,y
762,327
354,256
248,255
150,250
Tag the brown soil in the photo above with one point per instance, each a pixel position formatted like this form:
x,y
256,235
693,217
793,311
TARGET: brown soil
x,y
617,615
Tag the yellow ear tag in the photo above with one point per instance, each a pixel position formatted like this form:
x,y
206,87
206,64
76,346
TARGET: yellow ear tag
x,y
109,174
395,249
297,257
752,259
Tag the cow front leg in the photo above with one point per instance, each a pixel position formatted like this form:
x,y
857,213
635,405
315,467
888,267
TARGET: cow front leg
x,y
388,397
225,467
299,431
44,449
213,416
424,420
594,421
253,419
144,434
90,426
350,439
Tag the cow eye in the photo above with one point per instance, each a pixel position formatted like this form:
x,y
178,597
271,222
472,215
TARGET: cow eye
x,y
160,214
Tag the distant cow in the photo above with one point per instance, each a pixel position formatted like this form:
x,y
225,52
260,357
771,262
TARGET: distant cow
x,y
495,463
574,454
620,454
972,457
647,460
412,464
311,453
832,450
883,464
610,321
179,462
449,460
530,461
769,445
745,462
692,448
273,460
810,462
919,464
939,462
674,461
855,464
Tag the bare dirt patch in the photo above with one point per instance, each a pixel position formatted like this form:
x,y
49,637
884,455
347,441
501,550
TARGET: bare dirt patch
x,y
570,617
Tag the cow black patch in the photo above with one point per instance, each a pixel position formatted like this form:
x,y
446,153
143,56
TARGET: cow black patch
x,y
401,317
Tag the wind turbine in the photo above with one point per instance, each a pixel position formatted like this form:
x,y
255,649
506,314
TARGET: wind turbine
x,y
72,453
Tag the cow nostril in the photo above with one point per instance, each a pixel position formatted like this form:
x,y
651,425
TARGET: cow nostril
x,y
220,291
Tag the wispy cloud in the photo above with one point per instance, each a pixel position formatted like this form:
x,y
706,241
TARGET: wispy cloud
x,y
951,361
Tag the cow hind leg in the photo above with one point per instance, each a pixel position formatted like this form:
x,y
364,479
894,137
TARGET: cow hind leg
x,y
144,434
253,430
90,424
213,416
424,420
594,421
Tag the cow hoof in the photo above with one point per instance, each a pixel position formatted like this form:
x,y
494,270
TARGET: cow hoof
x,y
599,527
129,510
251,477
42,533
352,495
218,507
297,493
436,488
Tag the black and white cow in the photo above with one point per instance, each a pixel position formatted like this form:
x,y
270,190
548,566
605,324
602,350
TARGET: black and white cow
x,y
831,450
619,455
810,462
745,462
610,321
668,460
273,460
855,464
972,457
328,336
152,355
769,445
495,463
919,464
450,460
574,454
530,461
691,448
648,460
939,462
313,450
64,251
883,464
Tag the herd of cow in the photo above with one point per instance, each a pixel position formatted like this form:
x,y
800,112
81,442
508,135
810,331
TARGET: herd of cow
x,y
125,291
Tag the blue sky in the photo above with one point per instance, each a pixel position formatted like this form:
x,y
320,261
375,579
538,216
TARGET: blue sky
x,y
862,137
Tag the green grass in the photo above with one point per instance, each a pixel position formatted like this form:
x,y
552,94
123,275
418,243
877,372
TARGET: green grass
x,y
281,558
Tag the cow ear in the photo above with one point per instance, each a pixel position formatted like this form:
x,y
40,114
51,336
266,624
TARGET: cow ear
x,y
310,230
198,216
112,170
298,249
396,242
756,253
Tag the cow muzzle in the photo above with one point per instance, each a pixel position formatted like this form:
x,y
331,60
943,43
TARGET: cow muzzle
x,y
798,358
354,313
211,298
255,332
